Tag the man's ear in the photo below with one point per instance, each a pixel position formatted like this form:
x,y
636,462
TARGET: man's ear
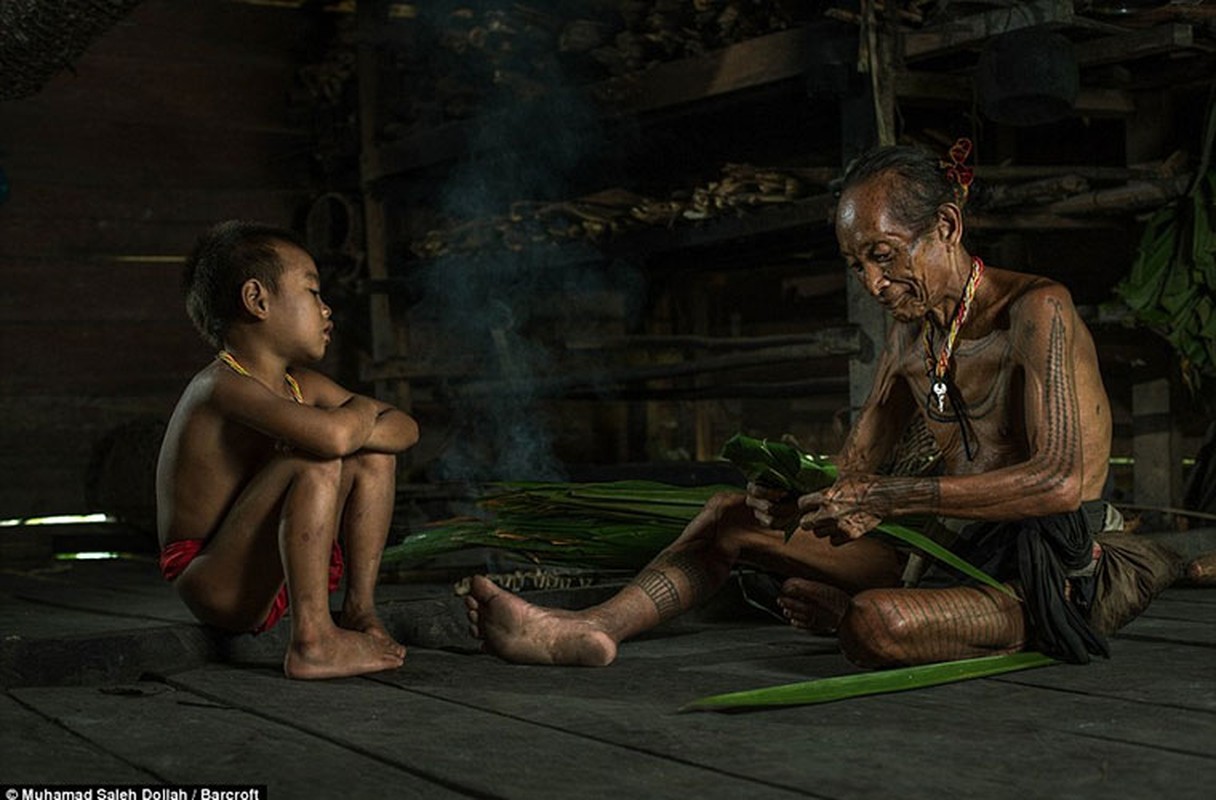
x,y
255,298
950,223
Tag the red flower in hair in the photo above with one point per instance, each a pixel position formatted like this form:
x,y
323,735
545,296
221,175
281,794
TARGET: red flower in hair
x,y
957,170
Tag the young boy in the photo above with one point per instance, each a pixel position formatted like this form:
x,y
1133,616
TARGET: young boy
x,y
266,465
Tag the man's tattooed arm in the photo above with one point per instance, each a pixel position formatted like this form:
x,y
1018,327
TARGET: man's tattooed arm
x,y
1050,479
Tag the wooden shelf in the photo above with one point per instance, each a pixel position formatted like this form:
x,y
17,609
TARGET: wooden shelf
x,y
762,61
682,86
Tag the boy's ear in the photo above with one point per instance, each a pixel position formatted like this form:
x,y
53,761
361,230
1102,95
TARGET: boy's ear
x,y
255,298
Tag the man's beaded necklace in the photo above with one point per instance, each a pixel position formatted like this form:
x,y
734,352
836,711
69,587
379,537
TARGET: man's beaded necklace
x,y
231,361
939,364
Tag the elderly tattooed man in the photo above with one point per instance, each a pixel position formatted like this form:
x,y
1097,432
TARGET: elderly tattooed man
x,y
1005,377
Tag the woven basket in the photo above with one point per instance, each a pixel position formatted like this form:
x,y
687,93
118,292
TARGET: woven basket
x,y
39,38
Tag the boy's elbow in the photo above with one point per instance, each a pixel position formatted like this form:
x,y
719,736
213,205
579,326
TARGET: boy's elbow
x,y
337,443
411,433
399,432
333,447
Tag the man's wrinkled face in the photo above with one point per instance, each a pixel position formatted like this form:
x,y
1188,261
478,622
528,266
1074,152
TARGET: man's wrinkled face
x,y
893,263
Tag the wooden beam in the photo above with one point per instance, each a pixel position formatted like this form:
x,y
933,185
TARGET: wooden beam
x,y
974,29
1136,44
1131,197
1103,103
1029,172
919,85
1039,222
386,339
946,88
764,60
840,341
832,384
805,213
1157,474
694,342
755,62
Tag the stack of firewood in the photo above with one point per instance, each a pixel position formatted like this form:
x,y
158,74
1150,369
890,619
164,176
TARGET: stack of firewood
x,y
597,217
654,31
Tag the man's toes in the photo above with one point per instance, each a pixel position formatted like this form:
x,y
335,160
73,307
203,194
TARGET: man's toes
x,y
475,631
483,588
794,586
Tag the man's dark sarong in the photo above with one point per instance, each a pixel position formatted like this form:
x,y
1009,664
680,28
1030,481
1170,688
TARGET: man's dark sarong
x,y
1071,601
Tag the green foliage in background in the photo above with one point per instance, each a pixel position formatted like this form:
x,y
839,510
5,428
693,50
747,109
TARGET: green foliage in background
x,y
1172,285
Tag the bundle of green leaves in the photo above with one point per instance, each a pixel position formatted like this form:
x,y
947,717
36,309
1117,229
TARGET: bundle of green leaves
x,y
624,524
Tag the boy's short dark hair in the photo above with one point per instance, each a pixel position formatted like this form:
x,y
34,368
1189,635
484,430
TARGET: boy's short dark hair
x,y
225,256
923,186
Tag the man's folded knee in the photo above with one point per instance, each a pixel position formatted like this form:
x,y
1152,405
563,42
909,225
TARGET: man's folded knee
x,y
873,633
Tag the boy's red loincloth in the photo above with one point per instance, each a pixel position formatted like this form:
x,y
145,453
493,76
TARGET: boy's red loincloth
x,y
176,556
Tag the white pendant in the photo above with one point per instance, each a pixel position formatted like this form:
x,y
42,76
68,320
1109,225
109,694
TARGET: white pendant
x,y
939,391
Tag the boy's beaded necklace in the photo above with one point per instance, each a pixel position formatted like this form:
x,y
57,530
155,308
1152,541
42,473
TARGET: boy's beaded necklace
x,y
231,361
939,365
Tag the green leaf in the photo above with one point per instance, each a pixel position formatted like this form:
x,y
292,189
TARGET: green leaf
x,y
758,458
843,687
778,465
932,548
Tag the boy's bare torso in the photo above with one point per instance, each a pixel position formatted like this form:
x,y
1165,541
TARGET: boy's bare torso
x,y
205,462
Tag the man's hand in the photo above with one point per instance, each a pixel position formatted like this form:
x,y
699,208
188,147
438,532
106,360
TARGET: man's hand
x,y
772,508
846,510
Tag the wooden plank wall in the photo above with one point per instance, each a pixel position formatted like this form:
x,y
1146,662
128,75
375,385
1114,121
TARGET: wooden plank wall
x,y
173,119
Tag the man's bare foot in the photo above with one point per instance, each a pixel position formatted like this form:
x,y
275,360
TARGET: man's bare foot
x,y
340,653
1202,571
517,631
365,620
813,606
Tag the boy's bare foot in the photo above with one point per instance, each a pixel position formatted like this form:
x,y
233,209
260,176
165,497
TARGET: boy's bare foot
x,y
355,618
340,653
517,631
813,606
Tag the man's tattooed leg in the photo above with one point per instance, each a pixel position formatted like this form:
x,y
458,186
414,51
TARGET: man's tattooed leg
x,y
677,581
896,627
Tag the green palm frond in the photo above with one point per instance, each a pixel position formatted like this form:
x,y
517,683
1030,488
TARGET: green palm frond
x,y
843,687
614,525
784,466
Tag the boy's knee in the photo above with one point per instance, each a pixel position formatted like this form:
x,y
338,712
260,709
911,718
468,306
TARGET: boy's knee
x,y
321,472
371,465
873,633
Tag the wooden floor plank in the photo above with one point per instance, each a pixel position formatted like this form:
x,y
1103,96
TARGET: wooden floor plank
x,y
1164,675
1079,745
1182,605
33,619
180,738
1186,632
486,751
26,739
